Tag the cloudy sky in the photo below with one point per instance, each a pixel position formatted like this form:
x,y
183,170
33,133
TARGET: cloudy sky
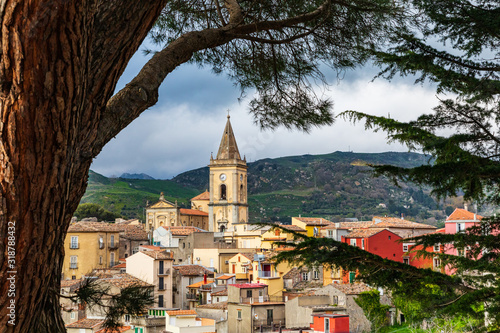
x,y
180,132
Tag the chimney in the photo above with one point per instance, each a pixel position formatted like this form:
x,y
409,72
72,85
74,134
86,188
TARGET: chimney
x,y
465,206
205,278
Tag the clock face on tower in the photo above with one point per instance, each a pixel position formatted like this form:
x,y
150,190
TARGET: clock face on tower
x,y
223,177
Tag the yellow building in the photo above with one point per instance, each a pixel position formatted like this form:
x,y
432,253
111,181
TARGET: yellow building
x,y
280,235
89,246
200,202
313,225
241,266
167,214
228,205
266,271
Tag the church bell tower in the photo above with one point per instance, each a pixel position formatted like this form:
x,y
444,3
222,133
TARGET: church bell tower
x,y
228,204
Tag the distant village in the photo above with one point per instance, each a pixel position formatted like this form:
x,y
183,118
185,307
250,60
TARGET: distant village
x,y
211,269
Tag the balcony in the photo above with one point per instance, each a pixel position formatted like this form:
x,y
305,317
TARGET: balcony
x,y
74,246
73,266
268,275
252,300
191,296
165,271
113,246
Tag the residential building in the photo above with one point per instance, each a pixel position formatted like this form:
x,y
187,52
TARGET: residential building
x,y
131,237
186,321
185,275
154,267
249,308
280,235
330,323
402,227
313,225
71,311
152,322
266,271
199,293
379,241
89,246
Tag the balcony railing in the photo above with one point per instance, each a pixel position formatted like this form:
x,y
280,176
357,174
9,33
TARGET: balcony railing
x,y
74,246
191,296
113,246
267,274
73,266
275,324
165,271
261,299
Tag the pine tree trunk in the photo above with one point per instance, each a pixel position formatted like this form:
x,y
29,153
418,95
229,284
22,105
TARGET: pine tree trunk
x,y
57,72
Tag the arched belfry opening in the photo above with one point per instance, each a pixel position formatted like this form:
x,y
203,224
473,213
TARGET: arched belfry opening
x,y
223,192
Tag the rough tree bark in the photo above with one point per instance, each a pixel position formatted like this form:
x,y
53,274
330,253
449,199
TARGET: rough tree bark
x,y
60,62
59,66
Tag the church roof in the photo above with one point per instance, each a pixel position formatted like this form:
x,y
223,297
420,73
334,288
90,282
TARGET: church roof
x,y
228,149
203,196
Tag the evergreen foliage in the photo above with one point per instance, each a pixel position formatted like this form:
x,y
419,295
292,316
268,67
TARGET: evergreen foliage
x,y
94,210
467,160
376,313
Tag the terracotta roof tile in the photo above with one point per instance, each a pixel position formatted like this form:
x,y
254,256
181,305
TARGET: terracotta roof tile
x,y
224,277
351,288
200,283
184,230
291,227
196,270
116,330
185,211
314,221
461,214
69,283
218,306
93,227
248,285
161,254
86,323
150,247
122,265
133,232
222,292
394,222
181,312
123,280
203,196
365,233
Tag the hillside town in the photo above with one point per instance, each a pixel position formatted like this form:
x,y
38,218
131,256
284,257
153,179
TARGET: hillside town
x,y
212,269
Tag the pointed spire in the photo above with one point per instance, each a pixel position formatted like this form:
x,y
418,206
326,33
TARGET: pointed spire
x,y
228,148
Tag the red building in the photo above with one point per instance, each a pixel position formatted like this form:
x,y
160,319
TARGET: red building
x,y
330,323
379,241
410,256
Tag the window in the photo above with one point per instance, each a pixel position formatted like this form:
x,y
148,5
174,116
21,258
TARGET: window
x,y
160,301
389,237
353,241
161,286
74,242
100,260
239,314
73,315
183,245
101,242
111,259
73,262
305,276
316,274
135,250
223,192
460,252
327,324
363,243
437,262
242,196
112,241
161,267
436,248
405,248
330,233
249,293
243,269
460,227
406,261
127,318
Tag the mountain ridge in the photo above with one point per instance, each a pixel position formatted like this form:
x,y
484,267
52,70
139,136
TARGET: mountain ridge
x,y
334,186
